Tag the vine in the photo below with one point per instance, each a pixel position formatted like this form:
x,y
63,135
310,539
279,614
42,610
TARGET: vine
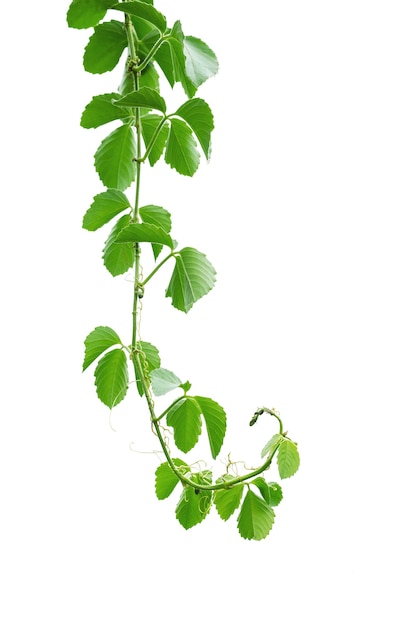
x,y
146,132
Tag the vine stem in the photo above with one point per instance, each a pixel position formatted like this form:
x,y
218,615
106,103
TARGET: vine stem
x,y
135,68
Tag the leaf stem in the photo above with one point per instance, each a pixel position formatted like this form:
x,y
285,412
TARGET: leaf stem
x,y
158,267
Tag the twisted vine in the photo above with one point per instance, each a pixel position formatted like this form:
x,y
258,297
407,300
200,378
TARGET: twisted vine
x,y
145,134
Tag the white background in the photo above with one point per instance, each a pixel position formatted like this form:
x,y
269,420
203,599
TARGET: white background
x,y
307,210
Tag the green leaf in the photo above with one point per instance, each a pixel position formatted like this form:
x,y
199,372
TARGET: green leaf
x,y
87,13
105,206
153,360
145,11
181,151
215,419
150,360
149,78
275,494
228,500
288,458
268,447
271,492
149,125
99,340
118,258
193,277
256,517
139,233
164,381
158,216
198,115
105,47
194,504
144,97
101,110
192,507
184,418
112,378
114,158
200,61
166,480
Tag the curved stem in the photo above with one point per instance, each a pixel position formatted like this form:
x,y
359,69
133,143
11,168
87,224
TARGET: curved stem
x,y
158,267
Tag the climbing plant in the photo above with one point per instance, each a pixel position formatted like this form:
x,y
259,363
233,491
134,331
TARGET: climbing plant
x,y
146,132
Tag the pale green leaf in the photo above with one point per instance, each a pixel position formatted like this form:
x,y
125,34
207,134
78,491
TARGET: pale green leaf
x,y
181,150
271,492
184,418
105,47
151,124
145,97
215,419
105,206
271,444
228,500
198,115
275,494
140,233
118,258
200,61
114,158
145,11
97,342
165,478
256,517
87,13
288,458
101,110
164,381
112,377
193,277
192,507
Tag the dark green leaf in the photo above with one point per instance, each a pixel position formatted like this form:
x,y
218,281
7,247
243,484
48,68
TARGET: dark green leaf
x,y
145,11
181,151
101,110
164,381
113,159
87,13
139,233
118,258
105,206
228,500
99,340
288,458
144,97
112,378
150,123
184,418
193,277
164,58
215,419
105,47
149,78
198,115
256,517
166,480
200,61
